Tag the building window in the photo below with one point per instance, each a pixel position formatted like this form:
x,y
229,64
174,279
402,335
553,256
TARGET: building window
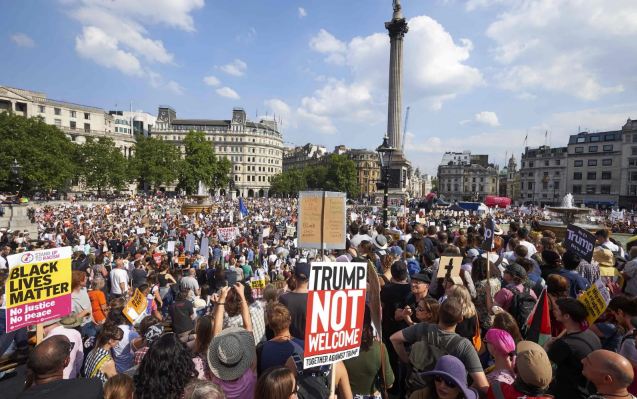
x,y
609,137
634,136
606,175
578,163
87,115
577,176
633,176
531,164
581,139
579,150
556,185
530,185
633,150
592,148
590,189
41,109
607,147
594,138
632,161
72,124
546,163
592,162
545,186
57,111
607,162
557,162
604,189
87,127
591,175
58,122
73,114
577,189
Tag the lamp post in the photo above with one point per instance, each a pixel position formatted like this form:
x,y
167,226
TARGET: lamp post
x,y
15,174
383,149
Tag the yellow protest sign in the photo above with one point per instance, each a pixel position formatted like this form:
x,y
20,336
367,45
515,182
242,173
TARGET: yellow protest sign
x,y
136,306
257,283
594,302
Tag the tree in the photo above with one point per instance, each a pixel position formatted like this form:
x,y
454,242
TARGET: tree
x,y
201,164
46,156
315,177
155,162
289,182
341,175
103,165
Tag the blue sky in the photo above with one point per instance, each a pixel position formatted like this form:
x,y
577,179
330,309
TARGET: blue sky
x,y
479,74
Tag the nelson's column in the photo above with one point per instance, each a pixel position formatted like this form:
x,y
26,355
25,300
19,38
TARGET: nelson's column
x,y
399,166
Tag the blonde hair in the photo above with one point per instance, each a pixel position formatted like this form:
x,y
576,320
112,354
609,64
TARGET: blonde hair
x,y
461,293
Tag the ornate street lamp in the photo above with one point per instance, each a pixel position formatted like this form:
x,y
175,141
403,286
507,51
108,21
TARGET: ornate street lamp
x,y
385,161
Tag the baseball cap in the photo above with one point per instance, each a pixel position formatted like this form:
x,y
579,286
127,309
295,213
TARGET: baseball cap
x,y
302,270
516,270
396,251
410,249
533,364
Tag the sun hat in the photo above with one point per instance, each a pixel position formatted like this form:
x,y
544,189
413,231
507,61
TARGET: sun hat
x,y
380,241
498,231
604,257
533,364
453,369
231,353
500,340
70,321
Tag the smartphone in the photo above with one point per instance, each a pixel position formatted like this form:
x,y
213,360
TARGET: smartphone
x,y
231,279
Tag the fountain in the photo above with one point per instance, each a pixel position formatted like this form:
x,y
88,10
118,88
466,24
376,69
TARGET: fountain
x,y
200,202
561,216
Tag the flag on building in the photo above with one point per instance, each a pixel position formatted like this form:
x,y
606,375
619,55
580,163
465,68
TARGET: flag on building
x,y
539,323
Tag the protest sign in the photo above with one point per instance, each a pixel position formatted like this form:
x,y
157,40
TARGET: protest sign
x,y
580,241
291,230
38,287
322,219
594,301
335,310
204,248
136,306
266,232
257,285
190,243
227,234
489,228
449,267
141,230
170,246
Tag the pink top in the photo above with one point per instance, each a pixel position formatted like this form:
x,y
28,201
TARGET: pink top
x,y
72,370
241,388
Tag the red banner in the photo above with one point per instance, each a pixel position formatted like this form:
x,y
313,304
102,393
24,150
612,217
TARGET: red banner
x,y
335,310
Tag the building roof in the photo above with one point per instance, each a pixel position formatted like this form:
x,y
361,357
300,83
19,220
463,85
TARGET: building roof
x,y
201,122
586,137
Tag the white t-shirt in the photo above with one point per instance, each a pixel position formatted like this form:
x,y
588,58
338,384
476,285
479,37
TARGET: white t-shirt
x,y
530,247
119,276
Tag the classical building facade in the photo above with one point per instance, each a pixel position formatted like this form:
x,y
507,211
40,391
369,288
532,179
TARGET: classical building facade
x,y
628,170
78,122
254,148
367,170
543,175
304,156
462,180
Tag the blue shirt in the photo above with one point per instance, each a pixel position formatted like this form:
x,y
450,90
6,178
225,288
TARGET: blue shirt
x,y
577,282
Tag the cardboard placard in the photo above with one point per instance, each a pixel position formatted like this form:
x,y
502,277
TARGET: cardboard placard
x,y
321,216
38,287
450,267
580,241
335,310
290,231
136,306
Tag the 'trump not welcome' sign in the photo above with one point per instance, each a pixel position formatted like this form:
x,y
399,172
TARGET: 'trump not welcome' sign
x,y
39,287
335,310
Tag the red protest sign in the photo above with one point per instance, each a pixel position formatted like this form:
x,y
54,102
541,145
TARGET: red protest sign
x,y
335,310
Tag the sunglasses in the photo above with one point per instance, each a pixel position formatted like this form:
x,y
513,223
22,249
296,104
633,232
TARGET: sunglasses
x,y
448,382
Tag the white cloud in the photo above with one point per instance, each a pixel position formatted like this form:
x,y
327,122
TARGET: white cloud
x,y
235,68
175,87
22,40
211,81
302,12
227,92
565,46
94,44
473,5
434,65
488,118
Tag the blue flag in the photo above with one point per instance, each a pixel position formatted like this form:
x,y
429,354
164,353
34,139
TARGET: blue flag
x,y
242,207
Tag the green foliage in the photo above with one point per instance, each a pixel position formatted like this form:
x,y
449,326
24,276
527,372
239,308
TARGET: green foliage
x,y
102,165
338,174
201,164
156,162
47,157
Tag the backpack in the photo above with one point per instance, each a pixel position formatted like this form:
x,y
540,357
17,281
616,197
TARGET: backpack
x,y
423,357
313,382
522,305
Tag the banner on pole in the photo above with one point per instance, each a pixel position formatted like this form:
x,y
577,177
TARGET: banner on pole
x,y
335,310
38,287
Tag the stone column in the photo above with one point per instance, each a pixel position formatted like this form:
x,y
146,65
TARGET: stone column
x,y
397,29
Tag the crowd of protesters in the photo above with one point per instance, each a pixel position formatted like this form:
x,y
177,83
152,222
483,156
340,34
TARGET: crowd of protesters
x,y
208,332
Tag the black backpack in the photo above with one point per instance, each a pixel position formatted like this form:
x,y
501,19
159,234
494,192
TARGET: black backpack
x,y
522,305
313,383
